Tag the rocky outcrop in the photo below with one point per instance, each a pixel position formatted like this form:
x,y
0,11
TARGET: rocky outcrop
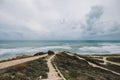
x,y
39,53
50,52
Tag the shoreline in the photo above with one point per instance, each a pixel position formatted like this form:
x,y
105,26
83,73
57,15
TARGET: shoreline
x,y
93,54
58,62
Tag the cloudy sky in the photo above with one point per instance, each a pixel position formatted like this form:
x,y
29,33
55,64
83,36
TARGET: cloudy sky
x,y
59,20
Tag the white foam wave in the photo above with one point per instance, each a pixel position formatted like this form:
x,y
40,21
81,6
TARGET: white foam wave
x,y
109,44
100,49
9,53
49,48
30,49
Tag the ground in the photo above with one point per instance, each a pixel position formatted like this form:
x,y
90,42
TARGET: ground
x,y
62,66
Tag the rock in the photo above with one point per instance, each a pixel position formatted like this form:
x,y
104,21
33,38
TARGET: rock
x,y
39,53
50,52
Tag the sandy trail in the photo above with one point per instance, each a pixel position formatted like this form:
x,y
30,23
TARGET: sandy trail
x,y
19,61
52,74
94,65
113,63
107,61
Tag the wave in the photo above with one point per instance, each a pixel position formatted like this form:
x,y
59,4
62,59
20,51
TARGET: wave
x,y
13,52
50,48
30,49
75,47
101,49
109,44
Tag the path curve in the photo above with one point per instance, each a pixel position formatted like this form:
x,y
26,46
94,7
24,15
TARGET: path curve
x,y
94,65
107,61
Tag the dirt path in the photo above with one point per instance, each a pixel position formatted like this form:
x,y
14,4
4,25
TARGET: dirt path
x,y
105,61
113,63
52,74
61,75
63,78
94,65
19,61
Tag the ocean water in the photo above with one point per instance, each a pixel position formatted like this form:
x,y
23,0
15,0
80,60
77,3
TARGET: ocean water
x,y
9,49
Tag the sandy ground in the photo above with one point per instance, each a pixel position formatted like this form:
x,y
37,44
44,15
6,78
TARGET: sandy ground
x,y
19,61
52,74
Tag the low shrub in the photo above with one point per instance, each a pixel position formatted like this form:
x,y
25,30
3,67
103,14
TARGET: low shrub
x,y
26,71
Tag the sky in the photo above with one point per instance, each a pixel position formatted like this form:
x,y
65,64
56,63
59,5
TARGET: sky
x,y
59,20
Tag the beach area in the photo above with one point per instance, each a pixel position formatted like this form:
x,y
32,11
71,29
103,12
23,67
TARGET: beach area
x,y
11,49
21,56
62,65
59,40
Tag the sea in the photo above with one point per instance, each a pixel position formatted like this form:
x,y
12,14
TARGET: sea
x,y
13,48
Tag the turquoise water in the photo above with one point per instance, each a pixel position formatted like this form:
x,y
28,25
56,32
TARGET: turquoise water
x,y
9,49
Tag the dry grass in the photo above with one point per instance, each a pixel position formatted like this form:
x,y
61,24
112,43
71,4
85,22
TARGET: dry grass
x,y
75,69
26,71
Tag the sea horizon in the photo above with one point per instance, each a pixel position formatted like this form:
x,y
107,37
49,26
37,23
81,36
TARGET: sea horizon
x,y
13,48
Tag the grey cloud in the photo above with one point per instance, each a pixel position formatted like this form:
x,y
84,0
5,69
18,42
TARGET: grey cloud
x,y
93,16
54,19
95,29
10,36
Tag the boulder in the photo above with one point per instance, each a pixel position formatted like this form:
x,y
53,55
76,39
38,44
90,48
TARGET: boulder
x,y
50,52
39,53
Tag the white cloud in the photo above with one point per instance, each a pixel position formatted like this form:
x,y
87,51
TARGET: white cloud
x,y
59,19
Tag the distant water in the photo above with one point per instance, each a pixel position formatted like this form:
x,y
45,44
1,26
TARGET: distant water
x,y
9,49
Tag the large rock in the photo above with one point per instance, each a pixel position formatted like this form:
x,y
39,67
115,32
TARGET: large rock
x,y
50,52
39,53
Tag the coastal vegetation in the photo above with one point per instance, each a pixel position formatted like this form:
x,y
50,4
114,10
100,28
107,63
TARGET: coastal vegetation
x,y
107,65
114,59
31,70
16,58
77,69
72,66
